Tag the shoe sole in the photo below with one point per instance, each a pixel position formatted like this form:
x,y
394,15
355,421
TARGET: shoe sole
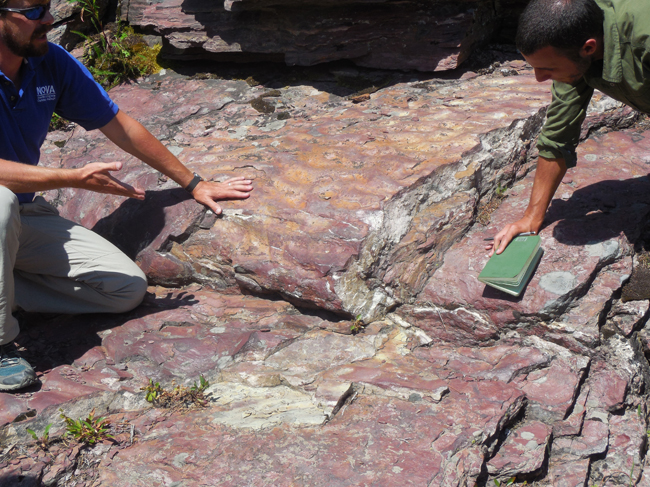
x,y
28,381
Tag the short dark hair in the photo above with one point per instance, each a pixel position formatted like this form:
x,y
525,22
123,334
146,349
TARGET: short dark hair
x,y
563,24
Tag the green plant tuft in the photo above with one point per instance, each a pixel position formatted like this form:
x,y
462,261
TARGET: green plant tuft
x,y
59,123
44,440
179,396
115,54
88,431
153,390
203,385
357,325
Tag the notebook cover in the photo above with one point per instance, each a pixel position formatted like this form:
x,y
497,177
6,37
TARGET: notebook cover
x,y
516,290
509,266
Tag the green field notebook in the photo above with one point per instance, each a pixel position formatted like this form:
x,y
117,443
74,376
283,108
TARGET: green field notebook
x,y
511,270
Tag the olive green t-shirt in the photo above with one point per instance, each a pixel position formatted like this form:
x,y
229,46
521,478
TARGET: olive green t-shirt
x,y
623,74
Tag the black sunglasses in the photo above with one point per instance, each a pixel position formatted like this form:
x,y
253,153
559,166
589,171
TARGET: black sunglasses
x,y
31,13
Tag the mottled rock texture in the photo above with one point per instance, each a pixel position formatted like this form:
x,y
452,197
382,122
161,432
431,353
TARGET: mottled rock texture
x,y
336,313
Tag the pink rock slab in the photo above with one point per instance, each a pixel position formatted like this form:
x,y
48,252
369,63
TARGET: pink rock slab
x,y
552,391
588,226
608,386
175,335
523,452
373,441
569,474
322,177
626,446
593,440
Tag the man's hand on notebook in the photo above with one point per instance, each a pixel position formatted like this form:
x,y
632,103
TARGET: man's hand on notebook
x,y
510,231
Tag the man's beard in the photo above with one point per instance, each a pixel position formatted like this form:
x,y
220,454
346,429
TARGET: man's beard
x,y
28,49
582,66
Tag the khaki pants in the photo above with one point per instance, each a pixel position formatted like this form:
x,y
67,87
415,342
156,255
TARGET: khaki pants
x,y
51,265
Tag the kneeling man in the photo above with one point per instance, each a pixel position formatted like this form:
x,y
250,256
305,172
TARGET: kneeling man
x,y
47,263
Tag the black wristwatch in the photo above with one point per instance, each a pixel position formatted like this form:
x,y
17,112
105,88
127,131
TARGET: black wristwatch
x,y
193,183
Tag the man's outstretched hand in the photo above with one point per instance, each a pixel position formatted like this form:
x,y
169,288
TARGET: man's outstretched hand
x,y
548,176
510,231
97,177
209,192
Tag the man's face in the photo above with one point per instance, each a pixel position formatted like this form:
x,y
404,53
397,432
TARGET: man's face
x,y
24,37
550,64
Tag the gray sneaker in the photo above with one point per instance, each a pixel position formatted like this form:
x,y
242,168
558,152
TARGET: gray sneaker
x,y
15,371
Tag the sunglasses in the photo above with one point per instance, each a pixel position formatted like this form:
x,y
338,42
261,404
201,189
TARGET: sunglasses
x,y
31,13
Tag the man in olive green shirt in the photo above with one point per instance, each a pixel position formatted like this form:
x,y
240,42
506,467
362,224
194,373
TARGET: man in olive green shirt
x,y
580,45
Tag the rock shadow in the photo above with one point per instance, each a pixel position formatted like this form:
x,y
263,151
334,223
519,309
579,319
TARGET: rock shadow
x,y
54,340
314,62
601,212
136,224
15,480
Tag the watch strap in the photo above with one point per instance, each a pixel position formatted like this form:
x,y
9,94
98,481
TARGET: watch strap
x,y
193,183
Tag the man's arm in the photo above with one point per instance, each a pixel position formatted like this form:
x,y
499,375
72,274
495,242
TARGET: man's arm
x,y
132,137
25,178
547,179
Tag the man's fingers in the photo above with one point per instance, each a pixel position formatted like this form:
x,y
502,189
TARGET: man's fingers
x,y
99,179
216,209
234,188
127,189
510,231
238,178
501,240
239,184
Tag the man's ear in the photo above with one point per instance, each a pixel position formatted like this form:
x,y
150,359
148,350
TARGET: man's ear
x,y
589,48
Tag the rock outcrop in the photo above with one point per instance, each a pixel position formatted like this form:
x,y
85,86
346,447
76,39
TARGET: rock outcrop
x,y
336,313
429,36
413,34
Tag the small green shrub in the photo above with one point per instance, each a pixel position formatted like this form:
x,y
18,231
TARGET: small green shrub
x,y
59,123
115,54
179,396
357,325
203,385
153,390
44,440
88,431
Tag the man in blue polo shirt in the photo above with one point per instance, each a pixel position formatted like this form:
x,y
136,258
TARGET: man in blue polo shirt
x,y
47,263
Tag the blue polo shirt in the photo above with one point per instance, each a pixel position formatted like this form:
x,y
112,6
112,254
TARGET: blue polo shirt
x,y
56,82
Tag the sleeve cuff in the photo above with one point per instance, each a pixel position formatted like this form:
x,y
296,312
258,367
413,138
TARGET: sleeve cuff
x,y
570,157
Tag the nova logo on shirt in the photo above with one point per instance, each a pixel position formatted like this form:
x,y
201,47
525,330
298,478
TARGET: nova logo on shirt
x,y
45,93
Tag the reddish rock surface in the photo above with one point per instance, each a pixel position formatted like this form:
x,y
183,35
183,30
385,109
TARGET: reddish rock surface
x,y
336,313
382,187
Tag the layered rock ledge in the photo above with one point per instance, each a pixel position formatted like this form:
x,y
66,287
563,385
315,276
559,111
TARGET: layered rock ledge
x,y
336,313
388,34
